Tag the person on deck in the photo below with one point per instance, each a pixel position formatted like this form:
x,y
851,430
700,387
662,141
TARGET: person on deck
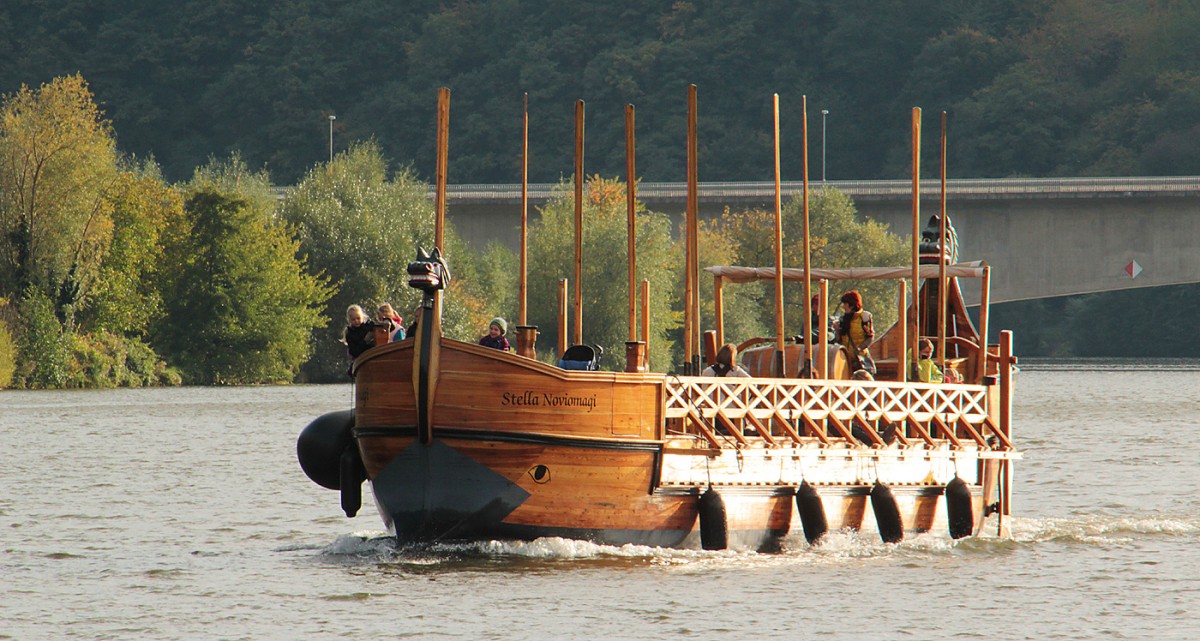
x,y
386,315
360,331
814,306
927,370
855,330
495,336
726,364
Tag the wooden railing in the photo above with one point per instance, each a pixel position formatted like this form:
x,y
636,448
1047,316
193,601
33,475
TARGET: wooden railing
x,y
732,411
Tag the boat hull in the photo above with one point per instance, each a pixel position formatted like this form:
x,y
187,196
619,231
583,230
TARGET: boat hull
x,y
516,449
495,487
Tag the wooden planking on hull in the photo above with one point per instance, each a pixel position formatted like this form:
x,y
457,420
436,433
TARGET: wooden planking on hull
x,y
504,392
482,388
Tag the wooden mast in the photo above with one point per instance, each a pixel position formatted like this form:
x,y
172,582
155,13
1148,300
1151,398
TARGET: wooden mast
x,y
524,291
691,320
526,335
635,352
427,343
630,220
578,329
809,345
779,339
916,232
942,260
443,138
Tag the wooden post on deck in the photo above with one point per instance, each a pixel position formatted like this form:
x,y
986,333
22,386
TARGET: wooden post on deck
x,y
382,335
719,308
562,316
902,330
635,357
985,295
646,322
823,345
527,341
1006,371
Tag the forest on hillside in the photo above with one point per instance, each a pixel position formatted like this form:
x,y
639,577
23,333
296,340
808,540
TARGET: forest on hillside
x,y
1033,87
191,114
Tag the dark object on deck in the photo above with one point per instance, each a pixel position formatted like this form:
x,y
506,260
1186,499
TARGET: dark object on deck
x,y
581,357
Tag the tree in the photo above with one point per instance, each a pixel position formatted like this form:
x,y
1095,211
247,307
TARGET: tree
x,y
240,307
147,216
8,348
361,229
57,169
837,239
605,270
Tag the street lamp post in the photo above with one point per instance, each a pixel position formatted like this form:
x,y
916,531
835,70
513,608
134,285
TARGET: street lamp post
x,y
824,112
331,119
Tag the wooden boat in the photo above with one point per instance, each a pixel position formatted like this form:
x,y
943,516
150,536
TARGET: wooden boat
x,y
463,442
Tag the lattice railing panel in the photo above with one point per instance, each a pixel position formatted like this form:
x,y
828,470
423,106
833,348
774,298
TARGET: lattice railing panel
x,y
734,398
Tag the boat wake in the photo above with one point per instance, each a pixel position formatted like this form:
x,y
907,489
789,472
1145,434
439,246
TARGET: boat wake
x,y
1103,530
376,547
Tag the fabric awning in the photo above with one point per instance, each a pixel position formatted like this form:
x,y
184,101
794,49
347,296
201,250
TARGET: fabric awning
x,y
736,274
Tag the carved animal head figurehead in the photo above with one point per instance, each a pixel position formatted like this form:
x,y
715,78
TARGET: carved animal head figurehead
x,y
929,248
428,272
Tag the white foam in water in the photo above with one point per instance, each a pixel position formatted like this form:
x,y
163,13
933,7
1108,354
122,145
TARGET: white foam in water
x,y
560,548
1101,529
361,543
836,546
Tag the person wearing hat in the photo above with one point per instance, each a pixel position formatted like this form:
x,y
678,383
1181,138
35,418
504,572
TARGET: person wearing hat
x,y
495,336
856,331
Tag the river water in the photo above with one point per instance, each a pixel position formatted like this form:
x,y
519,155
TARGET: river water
x,y
182,514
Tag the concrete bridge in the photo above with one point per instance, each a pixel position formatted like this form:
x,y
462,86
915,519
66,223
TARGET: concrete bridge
x,y
1042,237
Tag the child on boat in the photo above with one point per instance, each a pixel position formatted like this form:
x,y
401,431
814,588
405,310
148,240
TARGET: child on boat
x,y
495,336
387,316
726,364
360,331
927,371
